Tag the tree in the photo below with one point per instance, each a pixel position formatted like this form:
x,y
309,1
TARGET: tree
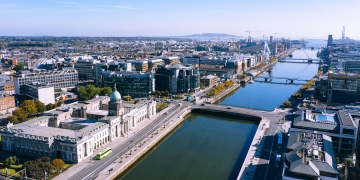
x,y
29,107
58,164
19,67
202,86
136,101
36,168
50,106
59,103
87,92
10,160
20,114
287,104
13,119
39,106
105,91
166,93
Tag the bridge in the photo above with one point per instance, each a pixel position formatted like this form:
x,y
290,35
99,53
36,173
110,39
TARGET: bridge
x,y
288,79
258,163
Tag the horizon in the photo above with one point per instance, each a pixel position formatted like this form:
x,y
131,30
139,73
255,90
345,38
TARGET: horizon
x,y
160,18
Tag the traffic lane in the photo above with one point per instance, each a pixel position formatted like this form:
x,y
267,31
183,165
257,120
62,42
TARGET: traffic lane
x,y
120,150
262,168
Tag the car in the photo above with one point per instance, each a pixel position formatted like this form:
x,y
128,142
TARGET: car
x,y
202,104
228,107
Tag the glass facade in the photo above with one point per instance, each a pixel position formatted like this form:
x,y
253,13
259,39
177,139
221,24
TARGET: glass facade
x,y
132,84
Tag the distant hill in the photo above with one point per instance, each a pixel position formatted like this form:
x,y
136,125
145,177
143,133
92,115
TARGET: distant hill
x,y
210,35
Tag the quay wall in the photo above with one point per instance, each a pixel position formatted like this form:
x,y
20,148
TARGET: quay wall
x,y
163,132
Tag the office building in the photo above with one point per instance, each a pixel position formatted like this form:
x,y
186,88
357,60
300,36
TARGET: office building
x,y
86,69
177,78
42,92
134,84
209,80
343,88
67,78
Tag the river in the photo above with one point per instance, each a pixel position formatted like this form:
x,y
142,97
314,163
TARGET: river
x,y
209,147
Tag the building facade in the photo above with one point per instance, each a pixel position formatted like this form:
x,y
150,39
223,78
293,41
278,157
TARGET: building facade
x,y
57,78
134,84
177,79
209,81
43,93
7,102
74,132
86,69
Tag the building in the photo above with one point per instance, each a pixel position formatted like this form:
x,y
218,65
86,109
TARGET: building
x,y
7,88
340,125
194,61
140,65
309,156
209,80
74,132
57,78
177,79
86,69
343,88
134,84
351,66
42,92
7,103
154,64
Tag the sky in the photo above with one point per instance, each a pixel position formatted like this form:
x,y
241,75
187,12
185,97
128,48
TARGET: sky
x,y
296,19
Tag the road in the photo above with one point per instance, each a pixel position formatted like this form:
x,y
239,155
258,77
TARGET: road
x,y
97,166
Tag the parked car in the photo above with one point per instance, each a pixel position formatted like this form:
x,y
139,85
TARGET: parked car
x,y
203,104
228,107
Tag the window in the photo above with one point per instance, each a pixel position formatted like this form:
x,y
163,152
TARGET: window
x,y
348,131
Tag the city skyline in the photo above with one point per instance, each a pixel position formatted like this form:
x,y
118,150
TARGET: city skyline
x,y
305,19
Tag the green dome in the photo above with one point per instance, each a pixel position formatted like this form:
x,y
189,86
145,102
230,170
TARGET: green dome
x,y
115,95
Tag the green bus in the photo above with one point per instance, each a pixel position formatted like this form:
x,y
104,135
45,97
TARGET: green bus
x,y
103,153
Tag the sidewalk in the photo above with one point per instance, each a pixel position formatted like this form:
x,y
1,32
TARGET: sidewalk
x,y
252,158
82,165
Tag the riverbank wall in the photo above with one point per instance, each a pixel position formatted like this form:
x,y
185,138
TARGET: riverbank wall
x,y
132,155
223,94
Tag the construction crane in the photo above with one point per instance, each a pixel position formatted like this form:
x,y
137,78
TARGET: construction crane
x,y
249,37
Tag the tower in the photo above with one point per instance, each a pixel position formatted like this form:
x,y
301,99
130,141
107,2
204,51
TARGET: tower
x,y
343,33
330,40
115,105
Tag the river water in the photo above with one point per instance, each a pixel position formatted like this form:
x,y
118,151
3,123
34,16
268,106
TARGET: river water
x,y
211,147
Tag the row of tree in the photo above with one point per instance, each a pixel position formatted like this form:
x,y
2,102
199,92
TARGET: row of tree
x,y
28,107
160,93
90,91
221,87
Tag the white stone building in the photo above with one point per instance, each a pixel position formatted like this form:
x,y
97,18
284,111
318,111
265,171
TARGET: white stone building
x,y
74,132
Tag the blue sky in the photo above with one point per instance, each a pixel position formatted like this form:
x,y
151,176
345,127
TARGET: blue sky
x,y
294,18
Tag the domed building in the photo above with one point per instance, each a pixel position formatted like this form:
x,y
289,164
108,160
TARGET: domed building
x,y
116,106
75,126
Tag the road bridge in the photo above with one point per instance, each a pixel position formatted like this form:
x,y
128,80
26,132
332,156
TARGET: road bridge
x,y
288,79
263,167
